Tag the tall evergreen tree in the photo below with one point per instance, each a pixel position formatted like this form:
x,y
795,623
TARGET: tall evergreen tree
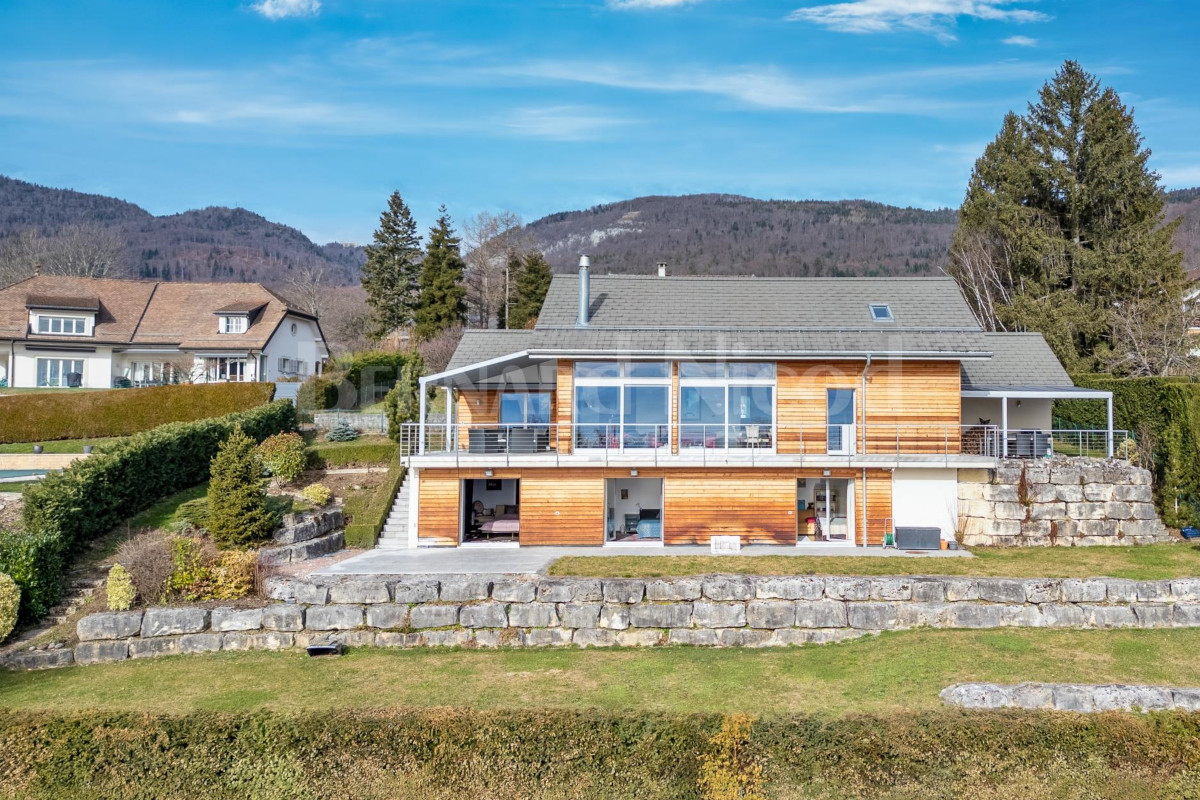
x,y
391,275
442,304
1063,223
532,283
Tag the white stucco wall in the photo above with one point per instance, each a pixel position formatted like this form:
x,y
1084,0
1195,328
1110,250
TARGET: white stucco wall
x,y
1031,415
304,346
97,366
925,498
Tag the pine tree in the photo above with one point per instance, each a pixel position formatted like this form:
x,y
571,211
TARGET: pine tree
x,y
391,275
1063,223
532,283
237,499
442,304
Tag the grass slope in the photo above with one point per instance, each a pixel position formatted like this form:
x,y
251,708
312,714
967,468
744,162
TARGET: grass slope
x,y
1146,562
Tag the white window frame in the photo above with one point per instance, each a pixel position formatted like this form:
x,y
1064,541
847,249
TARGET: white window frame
x,y
727,383
65,365
62,319
233,323
621,382
214,373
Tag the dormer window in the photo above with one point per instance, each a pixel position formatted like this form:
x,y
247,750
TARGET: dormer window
x,y
881,312
233,324
66,326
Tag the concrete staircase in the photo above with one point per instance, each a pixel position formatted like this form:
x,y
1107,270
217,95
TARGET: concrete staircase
x,y
394,535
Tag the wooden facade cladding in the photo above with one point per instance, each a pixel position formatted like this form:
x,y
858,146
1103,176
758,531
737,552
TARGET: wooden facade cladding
x,y
564,403
566,506
476,407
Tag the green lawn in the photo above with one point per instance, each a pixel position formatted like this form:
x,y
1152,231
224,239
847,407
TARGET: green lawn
x,y
895,671
1144,562
60,446
162,513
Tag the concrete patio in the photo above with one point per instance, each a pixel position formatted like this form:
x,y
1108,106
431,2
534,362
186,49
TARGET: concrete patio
x,y
495,560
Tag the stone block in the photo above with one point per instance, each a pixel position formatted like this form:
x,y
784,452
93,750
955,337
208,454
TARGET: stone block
x,y
447,638
695,637
1002,590
459,590
579,615
283,617
1144,531
236,619
1062,474
387,615
1076,590
585,590
660,615
1154,591
673,589
969,491
1131,698
728,587
532,615
1045,590
719,615
397,639
268,640
1082,511
1024,616
1002,528
820,614
199,643
1068,697
1152,615
874,616
102,651
514,591
311,594
41,659
1036,472
928,590
624,590
1133,493
984,509
160,646
1000,493
771,614
745,637
1098,492
891,588
545,637
1109,616
1186,699
1120,590
1035,531
1105,529
109,625
555,590
1118,510
483,615
614,616
1031,696
594,637
972,615
1186,589
960,589
1048,511
173,621
279,588
1186,615
1069,494
973,476
1144,511
1063,615
848,588
640,637
413,590
1007,472
333,618
1040,493
790,588
975,695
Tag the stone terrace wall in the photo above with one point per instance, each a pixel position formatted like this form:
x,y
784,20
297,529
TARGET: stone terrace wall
x,y
1061,501
478,611
305,536
1083,697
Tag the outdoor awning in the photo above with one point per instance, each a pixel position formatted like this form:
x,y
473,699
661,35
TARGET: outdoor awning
x,y
513,370
1031,392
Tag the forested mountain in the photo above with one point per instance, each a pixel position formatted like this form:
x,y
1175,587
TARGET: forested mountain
x,y
1186,203
211,244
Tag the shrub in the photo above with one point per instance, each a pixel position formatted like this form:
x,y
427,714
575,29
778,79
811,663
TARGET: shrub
x,y
363,530
402,403
731,770
34,560
193,514
319,392
148,559
342,431
233,575
10,604
191,577
90,415
328,455
283,456
119,589
237,501
374,372
317,494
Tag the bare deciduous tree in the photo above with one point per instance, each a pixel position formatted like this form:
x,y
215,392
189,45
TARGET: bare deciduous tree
x,y
83,250
489,241
437,350
346,319
1152,336
308,288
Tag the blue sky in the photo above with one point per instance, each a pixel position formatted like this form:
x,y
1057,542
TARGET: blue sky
x,y
311,111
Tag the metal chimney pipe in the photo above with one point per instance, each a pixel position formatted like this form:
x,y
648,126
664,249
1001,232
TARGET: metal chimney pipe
x,y
585,292
662,269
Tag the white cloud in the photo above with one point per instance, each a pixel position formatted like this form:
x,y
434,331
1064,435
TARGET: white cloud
x,y
926,16
282,9
560,123
1021,41
641,4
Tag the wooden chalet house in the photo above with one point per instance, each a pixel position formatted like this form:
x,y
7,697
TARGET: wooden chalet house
x,y
656,411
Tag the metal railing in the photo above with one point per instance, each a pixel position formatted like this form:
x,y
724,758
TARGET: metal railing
x,y
691,442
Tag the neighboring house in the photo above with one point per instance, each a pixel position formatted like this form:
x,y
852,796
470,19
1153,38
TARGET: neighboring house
x,y
661,410
98,333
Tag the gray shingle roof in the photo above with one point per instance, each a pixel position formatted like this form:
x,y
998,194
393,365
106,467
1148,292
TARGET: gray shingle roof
x,y
639,301
1018,359
484,345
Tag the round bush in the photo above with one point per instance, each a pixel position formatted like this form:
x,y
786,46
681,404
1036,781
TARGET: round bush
x,y
317,494
342,432
283,456
10,602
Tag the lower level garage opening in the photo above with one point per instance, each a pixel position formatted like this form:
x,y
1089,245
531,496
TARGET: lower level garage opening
x,y
634,510
491,511
825,510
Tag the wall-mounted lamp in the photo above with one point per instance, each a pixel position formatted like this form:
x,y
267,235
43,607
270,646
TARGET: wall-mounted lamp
x,y
826,473
487,473
1018,404
633,473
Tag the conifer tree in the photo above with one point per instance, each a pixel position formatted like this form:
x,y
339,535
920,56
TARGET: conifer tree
x,y
442,304
237,499
1063,224
391,275
532,282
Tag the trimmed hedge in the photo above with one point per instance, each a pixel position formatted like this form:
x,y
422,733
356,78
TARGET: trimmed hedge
x,y
364,530
441,754
1164,415
47,416
67,510
330,455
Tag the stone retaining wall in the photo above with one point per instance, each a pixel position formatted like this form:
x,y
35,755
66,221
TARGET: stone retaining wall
x,y
306,536
715,610
1072,697
1060,501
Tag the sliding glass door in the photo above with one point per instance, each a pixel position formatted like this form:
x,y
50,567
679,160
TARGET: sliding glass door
x,y
622,405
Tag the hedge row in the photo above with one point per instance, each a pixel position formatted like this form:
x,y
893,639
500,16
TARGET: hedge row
x,y
358,380
45,416
331,455
364,530
1164,416
471,755
67,510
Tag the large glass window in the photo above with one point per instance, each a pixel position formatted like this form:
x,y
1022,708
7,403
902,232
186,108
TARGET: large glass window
x,y
622,404
726,405
59,372
225,369
72,326
646,417
839,408
525,408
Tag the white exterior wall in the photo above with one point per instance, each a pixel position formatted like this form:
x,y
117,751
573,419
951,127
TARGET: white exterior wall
x,y
304,345
925,498
1033,414
97,366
